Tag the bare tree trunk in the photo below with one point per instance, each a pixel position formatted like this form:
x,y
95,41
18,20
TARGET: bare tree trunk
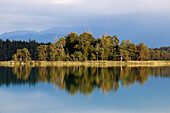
x,y
20,58
121,59
97,58
26,59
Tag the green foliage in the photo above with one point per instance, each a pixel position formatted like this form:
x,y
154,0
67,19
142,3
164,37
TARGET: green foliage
x,y
52,52
26,55
152,54
9,48
22,55
77,56
42,52
83,47
60,48
93,56
142,52
14,57
124,54
131,48
72,40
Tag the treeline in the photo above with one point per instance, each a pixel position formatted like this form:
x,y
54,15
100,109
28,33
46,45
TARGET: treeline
x,y
165,48
83,47
9,48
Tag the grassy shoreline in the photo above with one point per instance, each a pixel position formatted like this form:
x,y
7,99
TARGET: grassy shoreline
x,y
88,63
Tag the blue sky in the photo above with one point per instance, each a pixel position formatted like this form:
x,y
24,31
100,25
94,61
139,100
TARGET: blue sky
x,y
137,20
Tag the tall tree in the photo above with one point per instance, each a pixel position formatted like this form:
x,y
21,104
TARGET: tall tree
x,y
107,47
22,55
60,46
157,54
86,41
42,52
152,54
116,43
143,52
19,54
52,52
26,54
124,54
131,48
72,39
97,50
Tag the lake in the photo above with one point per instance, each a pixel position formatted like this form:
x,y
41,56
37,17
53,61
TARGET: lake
x,y
83,89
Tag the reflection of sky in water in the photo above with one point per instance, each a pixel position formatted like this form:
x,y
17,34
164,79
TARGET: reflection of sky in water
x,y
152,97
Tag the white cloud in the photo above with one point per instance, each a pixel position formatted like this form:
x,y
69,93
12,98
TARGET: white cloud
x,y
66,1
125,6
40,1
48,11
87,6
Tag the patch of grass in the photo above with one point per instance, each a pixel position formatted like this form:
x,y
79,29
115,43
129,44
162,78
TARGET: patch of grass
x,y
88,63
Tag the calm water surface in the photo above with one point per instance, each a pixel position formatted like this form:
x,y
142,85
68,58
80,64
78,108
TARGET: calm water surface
x,y
84,89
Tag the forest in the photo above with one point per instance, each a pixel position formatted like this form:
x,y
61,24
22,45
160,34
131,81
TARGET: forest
x,y
83,47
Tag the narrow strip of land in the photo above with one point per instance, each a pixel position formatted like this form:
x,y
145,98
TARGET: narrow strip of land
x,y
87,63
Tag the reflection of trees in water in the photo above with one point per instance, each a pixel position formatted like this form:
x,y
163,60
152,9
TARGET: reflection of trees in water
x,y
17,76
80,78
130,75
22,72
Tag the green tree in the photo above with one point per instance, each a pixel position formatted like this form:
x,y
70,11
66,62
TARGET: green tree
x,y
97,50
19,54
22,55
52,52
157,54
26,54
131,48
85,45
143,52
14,57
78,55
164,55
124,54
93,56
42,52
107,47
116,47
152,54
72,40
60,46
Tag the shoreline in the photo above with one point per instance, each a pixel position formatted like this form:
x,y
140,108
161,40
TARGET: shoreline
x,y
87,63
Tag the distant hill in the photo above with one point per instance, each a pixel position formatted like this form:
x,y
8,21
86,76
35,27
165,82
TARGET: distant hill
x,y
19,32
47,35
33,35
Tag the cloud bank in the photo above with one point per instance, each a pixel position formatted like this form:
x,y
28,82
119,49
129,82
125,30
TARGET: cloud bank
x,y
42,14
88,6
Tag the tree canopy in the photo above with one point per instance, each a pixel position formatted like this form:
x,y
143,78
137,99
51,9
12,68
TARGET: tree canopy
x,y
83,47
22,55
